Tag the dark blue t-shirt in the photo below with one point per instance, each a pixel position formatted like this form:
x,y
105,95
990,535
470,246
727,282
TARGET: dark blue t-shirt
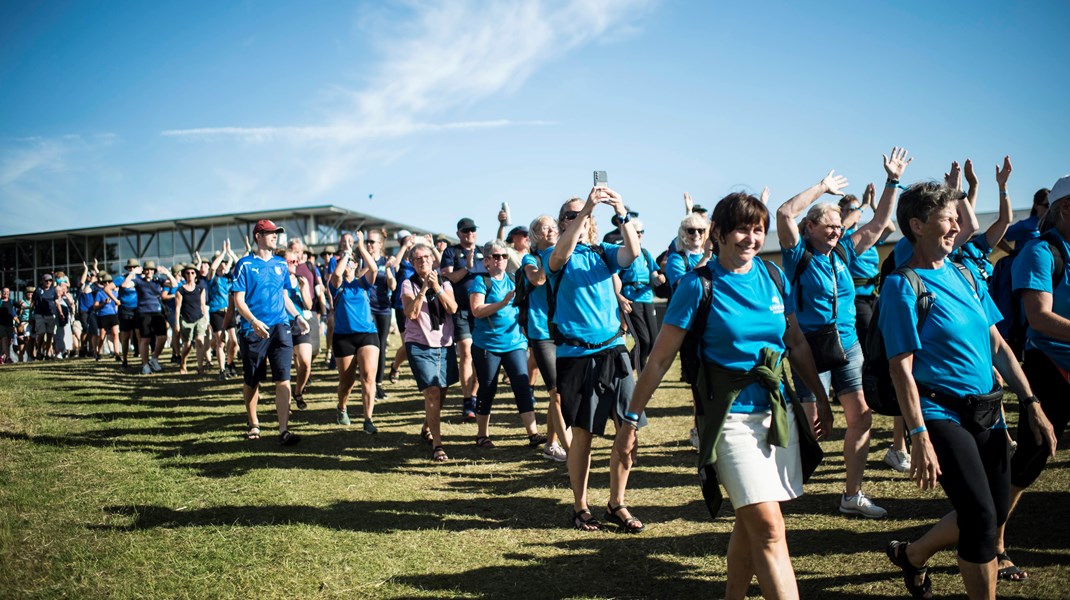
x,y
457,257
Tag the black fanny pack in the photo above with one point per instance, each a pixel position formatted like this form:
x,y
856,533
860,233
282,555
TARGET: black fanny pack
x,y
826,347
978,412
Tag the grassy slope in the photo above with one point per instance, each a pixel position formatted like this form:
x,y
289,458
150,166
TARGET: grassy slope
x,y
116,485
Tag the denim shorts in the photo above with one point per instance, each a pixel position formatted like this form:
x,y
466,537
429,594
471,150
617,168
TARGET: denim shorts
x,y
844,380
432,366
462,325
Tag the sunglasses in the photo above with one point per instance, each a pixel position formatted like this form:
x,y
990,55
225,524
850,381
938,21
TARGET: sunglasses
x,y
641,231
370,242
499,256
694,231
570,215
468,230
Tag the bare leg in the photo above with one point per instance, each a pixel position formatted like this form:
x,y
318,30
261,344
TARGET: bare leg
x,y
579,467
980,580
303,357
251,397
347,377
528,420
556,419
899,438
619,468
469,383
856,439
769,550
282,404
368,356
433,400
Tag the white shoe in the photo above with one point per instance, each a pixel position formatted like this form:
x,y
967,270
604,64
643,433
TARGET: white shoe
x,y
897,459
155,364
146,369
554,452
860,505
695,440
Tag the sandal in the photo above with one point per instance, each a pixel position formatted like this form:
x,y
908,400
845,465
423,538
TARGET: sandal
x,y
254,433
393,372
897,552
588,524
425,435
484,442
626,525
300,400
438,454
536,439
1011,573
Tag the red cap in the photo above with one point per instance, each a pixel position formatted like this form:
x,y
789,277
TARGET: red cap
x,y
266,226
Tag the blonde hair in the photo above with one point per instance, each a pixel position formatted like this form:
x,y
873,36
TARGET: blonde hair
x,y
815,214
692,221
592,226
535,229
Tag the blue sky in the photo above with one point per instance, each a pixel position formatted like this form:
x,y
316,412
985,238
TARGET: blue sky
x,y
123,111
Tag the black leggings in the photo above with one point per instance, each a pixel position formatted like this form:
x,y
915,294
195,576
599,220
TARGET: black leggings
x,y
488,363
1053,391
382,328
645,321
975,475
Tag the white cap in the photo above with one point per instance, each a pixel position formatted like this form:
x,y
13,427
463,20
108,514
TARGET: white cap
x,y
1060,190
402,234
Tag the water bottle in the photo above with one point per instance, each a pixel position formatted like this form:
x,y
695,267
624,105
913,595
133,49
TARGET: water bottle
x,y
508,217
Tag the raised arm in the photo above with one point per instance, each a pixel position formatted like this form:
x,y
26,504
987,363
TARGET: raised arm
x,y
502,218
630,250
370,266
568,239
851,215
868,234
786,227
967,219
997,230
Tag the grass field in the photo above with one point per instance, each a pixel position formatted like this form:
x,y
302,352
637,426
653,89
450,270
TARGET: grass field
x,y
119,485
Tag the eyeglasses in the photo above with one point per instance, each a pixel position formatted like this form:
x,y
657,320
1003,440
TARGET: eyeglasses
x,y
292,262
499,256
570,215
468,230
830,226
694,231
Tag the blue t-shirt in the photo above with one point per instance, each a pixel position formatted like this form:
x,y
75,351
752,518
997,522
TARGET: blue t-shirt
x,y
865,266
149,295
974,256
1033,271
352,307
1023,231
586,303
107,307
380,293
635,280
815,289
500,331
86,298
675,267
537,307
953,353
265,283
219,292
747,314
127,296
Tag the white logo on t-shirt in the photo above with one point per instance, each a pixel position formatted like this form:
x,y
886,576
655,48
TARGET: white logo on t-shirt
x,y
278,271
775,305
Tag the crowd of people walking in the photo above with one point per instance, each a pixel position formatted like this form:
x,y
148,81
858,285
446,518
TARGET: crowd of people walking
x,y
764,347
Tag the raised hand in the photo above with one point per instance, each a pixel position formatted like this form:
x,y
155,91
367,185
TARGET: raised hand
x,y
898,162
765,195
502,217
967,171
359,238
833,184
689,205
868,195
613,199
1005,174
953,179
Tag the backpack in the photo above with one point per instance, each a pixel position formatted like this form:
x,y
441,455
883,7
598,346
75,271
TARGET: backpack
x,y
663,290
522,298
691,348
877,387
1000,286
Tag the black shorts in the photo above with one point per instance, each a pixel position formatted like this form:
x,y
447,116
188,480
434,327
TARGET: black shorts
x,y
127,320
215,321
152,324
347,344
90,323
106,322
256,352
301,338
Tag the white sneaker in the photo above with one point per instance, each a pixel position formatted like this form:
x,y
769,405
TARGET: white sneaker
x,y
554,452
860,505
695,440
155,364
897,459
146,369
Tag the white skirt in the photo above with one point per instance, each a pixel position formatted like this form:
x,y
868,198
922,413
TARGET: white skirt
x,y
752,470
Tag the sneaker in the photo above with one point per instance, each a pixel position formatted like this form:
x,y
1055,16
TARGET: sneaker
x,y
231,371
222,375
897,459
370,427
146,369
343,417
155,364
860,505
695,440
469,410
554,452
288,439
379,393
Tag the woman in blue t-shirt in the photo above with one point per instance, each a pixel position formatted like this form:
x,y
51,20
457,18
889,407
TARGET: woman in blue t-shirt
x,y
940,370
691,250
636,297
746,333
1045,296
543,233
355,340
497,341
817,259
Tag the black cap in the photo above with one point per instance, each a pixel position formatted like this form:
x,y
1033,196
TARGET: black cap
x,y
519,229
699,209
466,223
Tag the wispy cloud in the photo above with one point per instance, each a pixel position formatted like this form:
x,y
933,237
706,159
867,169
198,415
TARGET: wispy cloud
x,y
448,56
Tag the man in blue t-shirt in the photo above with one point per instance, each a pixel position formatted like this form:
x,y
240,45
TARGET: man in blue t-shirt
x,y
128,324
45,309
152,325
460,265
261,285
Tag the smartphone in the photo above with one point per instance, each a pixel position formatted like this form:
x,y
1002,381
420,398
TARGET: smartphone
x,y
600,179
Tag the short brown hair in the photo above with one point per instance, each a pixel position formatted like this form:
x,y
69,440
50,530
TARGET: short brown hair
x,y
920,201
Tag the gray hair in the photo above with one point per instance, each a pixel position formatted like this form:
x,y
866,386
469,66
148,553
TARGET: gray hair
x,y
493,245
815,214
535,229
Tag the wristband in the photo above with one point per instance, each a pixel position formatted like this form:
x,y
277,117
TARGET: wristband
x,y
630,416
891,182
1025,402
627,217
917,430
1003,194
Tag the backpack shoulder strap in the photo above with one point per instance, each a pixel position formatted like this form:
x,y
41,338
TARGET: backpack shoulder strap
x,y
841,252
804,263
968,274
698,325
1058,253
924,300
774,274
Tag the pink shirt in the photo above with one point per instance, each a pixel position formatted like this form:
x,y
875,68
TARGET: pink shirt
x,y
419,331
